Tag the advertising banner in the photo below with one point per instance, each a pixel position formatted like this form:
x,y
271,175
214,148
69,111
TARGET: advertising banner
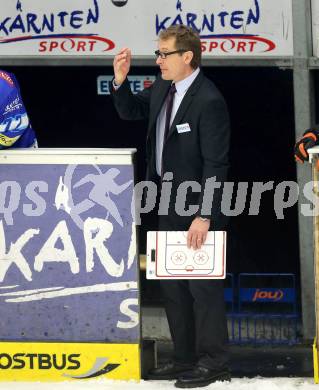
x,y
68,266
137,83
68,361
103,27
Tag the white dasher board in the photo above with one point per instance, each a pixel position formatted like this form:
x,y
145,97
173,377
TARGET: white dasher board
x,y
169,258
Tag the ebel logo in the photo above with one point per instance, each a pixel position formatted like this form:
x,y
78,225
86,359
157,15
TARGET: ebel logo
x,y
268,295
137,83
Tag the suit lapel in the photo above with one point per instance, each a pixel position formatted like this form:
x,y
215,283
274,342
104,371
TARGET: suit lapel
x,y
185,103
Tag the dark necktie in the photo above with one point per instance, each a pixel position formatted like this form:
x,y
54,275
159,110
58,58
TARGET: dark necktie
x,y
169,107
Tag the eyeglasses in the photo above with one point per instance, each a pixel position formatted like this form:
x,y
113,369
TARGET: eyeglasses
x,y
163,55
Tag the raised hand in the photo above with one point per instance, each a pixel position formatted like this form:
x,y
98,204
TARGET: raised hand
x,y
121,65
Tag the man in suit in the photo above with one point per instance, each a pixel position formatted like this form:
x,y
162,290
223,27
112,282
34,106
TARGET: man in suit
x,y
187,142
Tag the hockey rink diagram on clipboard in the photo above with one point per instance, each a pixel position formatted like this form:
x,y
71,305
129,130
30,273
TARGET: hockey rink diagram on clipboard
x,y
169,257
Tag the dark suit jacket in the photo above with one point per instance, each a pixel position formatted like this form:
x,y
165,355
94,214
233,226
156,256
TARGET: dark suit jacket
x,y
196,155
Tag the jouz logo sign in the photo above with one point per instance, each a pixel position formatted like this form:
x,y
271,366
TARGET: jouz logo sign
x,y
268,295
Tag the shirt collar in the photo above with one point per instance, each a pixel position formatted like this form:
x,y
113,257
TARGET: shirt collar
x,y
183,85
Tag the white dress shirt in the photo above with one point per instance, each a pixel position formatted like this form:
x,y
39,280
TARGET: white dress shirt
x,y
181,89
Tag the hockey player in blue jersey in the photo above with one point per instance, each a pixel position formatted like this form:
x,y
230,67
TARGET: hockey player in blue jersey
x,y
15,127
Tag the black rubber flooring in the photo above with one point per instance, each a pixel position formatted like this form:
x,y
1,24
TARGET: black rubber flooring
x,y
265,361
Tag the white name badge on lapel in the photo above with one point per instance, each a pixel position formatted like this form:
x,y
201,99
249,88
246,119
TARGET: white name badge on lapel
x,y
183,128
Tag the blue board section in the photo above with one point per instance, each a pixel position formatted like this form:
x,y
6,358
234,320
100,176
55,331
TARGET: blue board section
x,y
70,271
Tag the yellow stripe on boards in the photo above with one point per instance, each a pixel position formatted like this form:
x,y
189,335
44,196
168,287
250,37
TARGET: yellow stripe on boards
x,y
68,361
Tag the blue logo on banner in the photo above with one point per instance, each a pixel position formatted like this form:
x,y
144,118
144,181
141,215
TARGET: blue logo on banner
x,y
19,6
225,19
44,27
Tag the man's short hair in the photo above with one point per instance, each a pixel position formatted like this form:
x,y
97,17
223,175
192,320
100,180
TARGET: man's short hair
x,y
186,39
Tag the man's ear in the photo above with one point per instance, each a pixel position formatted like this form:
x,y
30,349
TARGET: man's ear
x,y
188,56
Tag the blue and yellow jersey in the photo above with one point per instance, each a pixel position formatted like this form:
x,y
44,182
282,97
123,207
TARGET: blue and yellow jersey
x,y
15,127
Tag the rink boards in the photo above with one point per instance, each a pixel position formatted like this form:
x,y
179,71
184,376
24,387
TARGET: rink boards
x,y
68,361
69,288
